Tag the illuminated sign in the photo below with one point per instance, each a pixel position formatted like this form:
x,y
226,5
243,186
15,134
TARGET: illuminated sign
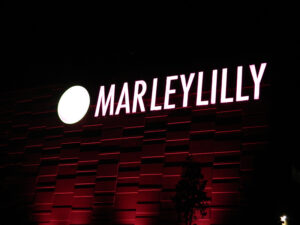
x,y
73,104
106,98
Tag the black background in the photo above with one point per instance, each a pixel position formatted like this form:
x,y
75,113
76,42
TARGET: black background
x,y
42,41
65,44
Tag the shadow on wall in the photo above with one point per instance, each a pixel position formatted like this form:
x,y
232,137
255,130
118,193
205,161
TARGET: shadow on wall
x,y
265,193
111,215
14,208
190,194
186,201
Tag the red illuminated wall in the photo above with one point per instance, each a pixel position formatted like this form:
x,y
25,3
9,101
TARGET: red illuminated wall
x,y
123,169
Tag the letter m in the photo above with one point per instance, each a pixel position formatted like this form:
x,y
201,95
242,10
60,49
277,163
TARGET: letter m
x,y
104,103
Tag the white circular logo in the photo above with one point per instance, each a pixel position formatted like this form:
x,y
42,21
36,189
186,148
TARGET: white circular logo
x,y
73,104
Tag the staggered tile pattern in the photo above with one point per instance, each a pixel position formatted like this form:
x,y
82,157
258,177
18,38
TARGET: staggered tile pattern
x,y
124,169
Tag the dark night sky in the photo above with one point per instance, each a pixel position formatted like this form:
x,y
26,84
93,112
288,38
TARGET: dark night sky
x,y
67,43
42,42
82,44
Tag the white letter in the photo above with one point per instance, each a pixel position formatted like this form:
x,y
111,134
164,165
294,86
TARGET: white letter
x,y
199,90
257,78
153,96
138,97
214,87
124,94
186,88
104,104
169,91
239,96
224,99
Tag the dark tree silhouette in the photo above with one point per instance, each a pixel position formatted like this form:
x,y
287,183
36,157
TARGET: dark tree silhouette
x,y
190,195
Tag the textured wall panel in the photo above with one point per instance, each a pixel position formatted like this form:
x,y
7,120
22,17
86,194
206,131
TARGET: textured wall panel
x,y
124,169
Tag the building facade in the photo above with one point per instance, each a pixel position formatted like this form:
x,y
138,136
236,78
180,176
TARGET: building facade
x,y
123,169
